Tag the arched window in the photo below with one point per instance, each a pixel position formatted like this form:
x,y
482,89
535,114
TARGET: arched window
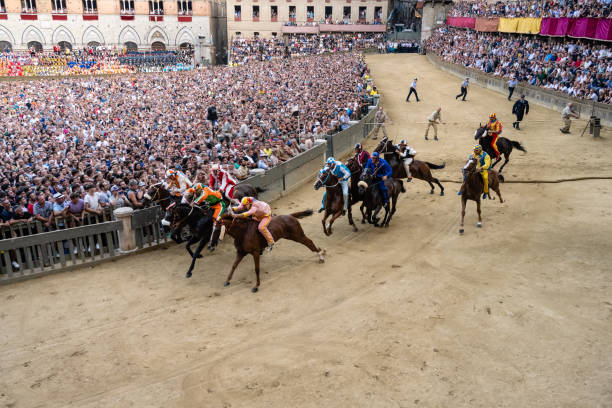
x,y
186,46
131,46
5,46
65,45
93,44
158,46
36,45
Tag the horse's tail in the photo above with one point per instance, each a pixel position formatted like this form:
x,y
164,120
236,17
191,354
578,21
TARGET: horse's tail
x,y
501,178
302,214
518,146
435,166
260,190
402,189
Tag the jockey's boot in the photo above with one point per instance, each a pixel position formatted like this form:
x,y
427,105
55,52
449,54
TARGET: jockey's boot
x,y
270,246
484,196
321,210
459,192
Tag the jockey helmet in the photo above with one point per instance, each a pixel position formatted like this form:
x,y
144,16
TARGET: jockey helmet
x,y
246,201
190,191
331,161
402,142
375,155
198,186
215,167
492,116
171,173
477,148
358,146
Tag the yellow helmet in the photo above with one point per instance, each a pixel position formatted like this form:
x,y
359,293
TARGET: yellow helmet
x,y
246,201
477,148
492,116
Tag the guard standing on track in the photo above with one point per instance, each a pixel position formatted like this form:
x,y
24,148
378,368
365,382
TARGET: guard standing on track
x,y
432,121
413,91
512,83
520,108
567,114
464,87
379,121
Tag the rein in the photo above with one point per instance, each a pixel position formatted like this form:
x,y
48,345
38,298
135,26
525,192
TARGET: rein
x,y
325,181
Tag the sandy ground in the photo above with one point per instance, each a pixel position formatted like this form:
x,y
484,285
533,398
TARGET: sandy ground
x,y
516,314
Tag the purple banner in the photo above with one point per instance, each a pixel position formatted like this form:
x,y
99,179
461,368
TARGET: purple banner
x,y
556,27
604,29
584,28
468,22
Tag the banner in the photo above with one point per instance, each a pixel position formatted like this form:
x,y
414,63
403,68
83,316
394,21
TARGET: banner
x,y
557,27
529,25
584,28
604,29
487,24
507,25
468,22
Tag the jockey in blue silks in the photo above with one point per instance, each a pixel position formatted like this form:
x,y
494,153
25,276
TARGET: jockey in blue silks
x,y
343,174
381,169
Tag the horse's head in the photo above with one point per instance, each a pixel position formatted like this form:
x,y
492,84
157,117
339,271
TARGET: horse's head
x,y
480,132
364,181
156,193
382,146
471,166
177,215
325,178
353,165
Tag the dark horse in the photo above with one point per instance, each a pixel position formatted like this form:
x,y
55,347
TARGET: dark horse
x,y
356,196
200,224
248,239
504,146
334,200
158,194
418,169
373,200
473,187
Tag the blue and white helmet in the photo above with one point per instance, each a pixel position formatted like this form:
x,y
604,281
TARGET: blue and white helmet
x,y
331,161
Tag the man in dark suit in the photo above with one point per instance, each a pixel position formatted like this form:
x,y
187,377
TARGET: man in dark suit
x,y
520,108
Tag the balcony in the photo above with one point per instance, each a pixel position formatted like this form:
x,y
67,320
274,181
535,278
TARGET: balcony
x,y
274,19
292,19
29,14
237,18
309,19
184,19
156,17
59,15
255,19
90,15
127,15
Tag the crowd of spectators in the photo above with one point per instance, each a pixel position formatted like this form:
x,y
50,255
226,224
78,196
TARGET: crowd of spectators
x,y
99,60
245,50
76,145
580,68
532,8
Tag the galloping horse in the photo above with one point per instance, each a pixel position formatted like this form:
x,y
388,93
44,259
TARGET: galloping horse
x,y
418,169
373,200
248,239
503,145
200,224
355,195
334,200
473,187
158,194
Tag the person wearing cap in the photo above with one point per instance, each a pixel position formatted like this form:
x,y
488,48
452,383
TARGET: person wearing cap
x,y
464,87
494,129
116,199
343,174
259,211
381,171
432,121
60,208
406,154
484,164
132,195
222,181
520,108
361,155
413,90
567,114
380,117
177,182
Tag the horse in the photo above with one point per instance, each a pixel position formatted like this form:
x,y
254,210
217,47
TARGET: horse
x,y
248,239
504,145
158,194
418,169
373,197
473,187
334,200
200,224
355,196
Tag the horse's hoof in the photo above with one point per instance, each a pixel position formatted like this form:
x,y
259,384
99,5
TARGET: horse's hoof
x,y
442,193
254,290
321,260
188,275
200,256
226,284
479,225
461,231
431,192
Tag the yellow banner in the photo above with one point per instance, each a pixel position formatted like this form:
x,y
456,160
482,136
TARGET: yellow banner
x,y
529,25
508,25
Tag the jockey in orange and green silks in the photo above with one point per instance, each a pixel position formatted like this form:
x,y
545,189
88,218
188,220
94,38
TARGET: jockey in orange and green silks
x,y
484,161
494,128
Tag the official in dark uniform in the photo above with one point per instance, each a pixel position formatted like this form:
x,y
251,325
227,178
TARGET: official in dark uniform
x,y
520,108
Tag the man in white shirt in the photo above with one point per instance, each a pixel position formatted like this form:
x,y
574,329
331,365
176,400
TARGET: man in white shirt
x,y
413,91
92,200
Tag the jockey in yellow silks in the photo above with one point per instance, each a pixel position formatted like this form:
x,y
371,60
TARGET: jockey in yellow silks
x,y
484,161
494,128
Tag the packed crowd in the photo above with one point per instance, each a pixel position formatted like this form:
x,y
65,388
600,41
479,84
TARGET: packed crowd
x,y
90,61
532,8
77,145
244,50
582,69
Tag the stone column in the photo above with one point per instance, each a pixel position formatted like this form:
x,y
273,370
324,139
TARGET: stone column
x,y
127,240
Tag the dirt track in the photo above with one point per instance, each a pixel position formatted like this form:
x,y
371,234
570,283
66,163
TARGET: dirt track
x,y
517,314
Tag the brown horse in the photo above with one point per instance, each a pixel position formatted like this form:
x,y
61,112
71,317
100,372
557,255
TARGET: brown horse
x,y
248,239
334,200
418,169
355,195
473,187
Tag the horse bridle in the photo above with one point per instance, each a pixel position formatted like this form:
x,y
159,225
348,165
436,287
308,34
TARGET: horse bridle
x,y
157,187
325,181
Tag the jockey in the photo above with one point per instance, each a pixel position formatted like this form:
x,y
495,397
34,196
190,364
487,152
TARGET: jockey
x,y
361,155
484,162
221,180
343,174
406,154
259,211
382,171
494,128
201,194
177,182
